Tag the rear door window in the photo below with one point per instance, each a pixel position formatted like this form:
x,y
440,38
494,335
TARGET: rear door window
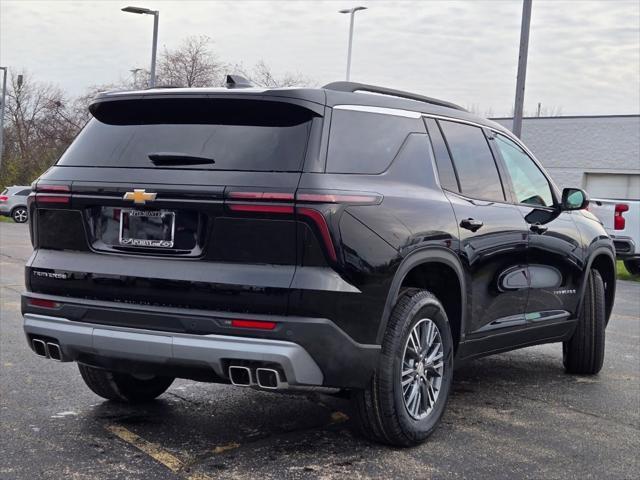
x,y
473,160
365,142
227,134
446,172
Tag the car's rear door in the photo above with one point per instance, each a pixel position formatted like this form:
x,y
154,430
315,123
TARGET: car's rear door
x,y
492,234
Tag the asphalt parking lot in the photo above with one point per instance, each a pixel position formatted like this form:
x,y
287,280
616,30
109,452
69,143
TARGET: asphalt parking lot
x,y
515,415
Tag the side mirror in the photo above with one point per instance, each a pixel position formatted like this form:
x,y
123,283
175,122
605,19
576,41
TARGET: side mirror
x,y
574,199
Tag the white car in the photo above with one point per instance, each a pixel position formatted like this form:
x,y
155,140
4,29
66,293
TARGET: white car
x,y
621,219
13,203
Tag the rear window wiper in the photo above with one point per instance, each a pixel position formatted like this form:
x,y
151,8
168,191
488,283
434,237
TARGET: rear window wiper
x,y
162,159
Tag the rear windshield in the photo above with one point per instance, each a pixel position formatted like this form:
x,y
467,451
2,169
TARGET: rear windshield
x,y
227,134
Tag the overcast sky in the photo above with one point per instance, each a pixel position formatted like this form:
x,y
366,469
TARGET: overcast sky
x,y
584,56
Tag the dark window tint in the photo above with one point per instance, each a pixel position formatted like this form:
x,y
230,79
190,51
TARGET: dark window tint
x,y
24,193
474,161
235,134
362,142
446,173
529,183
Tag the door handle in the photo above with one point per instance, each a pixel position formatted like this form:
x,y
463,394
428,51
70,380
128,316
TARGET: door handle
x,y
471,224
537,228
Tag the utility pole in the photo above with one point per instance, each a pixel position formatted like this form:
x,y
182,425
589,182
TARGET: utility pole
x,y
522,68
2,109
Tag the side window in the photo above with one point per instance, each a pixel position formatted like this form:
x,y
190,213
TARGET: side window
x,y
529,183
446,172
24,193
473,160
366,143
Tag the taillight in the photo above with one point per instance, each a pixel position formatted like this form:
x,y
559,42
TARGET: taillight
x,y
265,202
3,198
338,198
323,228
52,188
264,196
618,220
42,303
254,324
241,207
308,198
60,194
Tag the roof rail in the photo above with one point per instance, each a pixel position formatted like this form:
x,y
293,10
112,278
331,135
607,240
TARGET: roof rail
x,y
361,87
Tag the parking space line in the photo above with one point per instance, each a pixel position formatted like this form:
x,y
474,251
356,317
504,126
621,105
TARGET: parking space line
x,y
154,450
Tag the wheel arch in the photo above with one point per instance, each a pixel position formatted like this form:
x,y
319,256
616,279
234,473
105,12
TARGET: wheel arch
x,y
415,270
19,206
602,260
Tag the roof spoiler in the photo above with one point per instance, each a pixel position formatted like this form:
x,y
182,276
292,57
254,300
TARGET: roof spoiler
x,y
353,87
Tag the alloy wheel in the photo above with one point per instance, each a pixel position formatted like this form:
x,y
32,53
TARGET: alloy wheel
x,y
20,215
422,369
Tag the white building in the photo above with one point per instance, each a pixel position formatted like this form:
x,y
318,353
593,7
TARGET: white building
x,y
598,153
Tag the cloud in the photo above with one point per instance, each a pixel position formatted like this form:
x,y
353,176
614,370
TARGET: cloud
x,y
584,56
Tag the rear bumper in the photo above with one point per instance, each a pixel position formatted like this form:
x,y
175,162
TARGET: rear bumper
x,y
625,247
172,349
310,351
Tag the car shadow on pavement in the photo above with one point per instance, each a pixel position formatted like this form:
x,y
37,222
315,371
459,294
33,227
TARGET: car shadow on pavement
x,y
209,425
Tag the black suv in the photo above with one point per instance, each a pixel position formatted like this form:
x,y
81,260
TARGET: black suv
x,y
349,237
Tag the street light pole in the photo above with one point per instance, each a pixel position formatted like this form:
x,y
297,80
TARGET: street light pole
x,y
2,109
351,11
522,68
154,46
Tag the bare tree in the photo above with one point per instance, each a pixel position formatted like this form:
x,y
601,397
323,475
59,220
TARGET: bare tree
x,y
80,106
192,64
261,75
40,125
42,121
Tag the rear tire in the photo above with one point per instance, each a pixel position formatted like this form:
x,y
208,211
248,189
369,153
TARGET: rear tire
x,y
633,266
122,387
384,410
20,214
584,353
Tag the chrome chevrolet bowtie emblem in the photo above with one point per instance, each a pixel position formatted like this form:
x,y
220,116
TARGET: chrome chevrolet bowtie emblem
x,y
139,196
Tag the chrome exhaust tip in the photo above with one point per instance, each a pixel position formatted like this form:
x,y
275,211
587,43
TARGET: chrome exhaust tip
x,y
39,347
54,351
269,379
240,376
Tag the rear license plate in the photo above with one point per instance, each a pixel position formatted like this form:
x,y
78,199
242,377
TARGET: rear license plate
x,y
147,228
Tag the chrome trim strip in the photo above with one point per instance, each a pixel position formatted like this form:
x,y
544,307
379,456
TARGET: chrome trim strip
x,y
381,110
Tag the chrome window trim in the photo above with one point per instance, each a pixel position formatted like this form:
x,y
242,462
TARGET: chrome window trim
x,y
413,114
511,137
380,110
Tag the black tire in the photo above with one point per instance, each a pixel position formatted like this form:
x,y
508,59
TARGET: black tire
x,y
632,266
20,214
584,353
122,387
380,409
